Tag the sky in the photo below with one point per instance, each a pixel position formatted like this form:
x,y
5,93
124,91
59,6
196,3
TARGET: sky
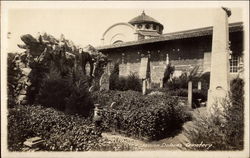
x,y
85,25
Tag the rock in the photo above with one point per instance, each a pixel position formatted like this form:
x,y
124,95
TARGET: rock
x,y
33,142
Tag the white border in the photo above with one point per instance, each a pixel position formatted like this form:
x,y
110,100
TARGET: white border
x,y
5,6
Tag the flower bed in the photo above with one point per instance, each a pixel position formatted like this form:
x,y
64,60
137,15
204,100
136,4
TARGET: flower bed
x,y
61,132
150,117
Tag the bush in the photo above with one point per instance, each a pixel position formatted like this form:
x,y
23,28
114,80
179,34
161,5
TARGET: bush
x,y
59,131
237,90
150,117
197,94
71,93
178,82
79,99
224,129
131,82
181,82
14,74
169,70
53,86
114,77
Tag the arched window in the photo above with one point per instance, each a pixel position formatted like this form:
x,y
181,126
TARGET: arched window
x,y
154,27
118,41
139,26
147,26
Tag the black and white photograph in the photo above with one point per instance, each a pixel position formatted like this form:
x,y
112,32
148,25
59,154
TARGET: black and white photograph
x,y
124,79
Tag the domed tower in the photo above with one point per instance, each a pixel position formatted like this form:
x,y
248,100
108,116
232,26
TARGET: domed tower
x,y
146,26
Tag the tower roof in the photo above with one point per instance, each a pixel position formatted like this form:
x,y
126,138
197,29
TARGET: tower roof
x,y
144,18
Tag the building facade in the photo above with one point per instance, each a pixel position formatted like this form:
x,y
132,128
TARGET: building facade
x,y
142,36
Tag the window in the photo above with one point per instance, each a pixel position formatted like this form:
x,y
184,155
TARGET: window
x,y
234,64
147,26
118,41
154,27
139,26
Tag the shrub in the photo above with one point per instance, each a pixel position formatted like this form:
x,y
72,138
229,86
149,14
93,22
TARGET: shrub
x,y
182,81
169,70
114,77
131,82
71,91
53,86
57,129
178,92
36,76
60,132
14,74
150,117
197,94
224,129
237,90
79,99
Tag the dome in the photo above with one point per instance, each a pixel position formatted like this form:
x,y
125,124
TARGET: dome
x,y
143,18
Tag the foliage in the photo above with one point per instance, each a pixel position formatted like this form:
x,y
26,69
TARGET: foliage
x,y
205,80
79,99
168,73
197,94
72,91
224,128
114,77
133,114
14,74
53,86
182,81
237,90
131,82
59,131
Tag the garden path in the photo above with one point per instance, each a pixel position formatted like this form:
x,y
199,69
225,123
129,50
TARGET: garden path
x,y
171,143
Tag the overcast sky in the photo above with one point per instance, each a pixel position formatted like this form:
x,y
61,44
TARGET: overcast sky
x,y
86,25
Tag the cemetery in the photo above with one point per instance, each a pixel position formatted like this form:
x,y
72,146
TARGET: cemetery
x,y
65,98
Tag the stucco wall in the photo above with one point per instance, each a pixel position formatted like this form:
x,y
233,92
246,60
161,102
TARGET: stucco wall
x,y
119,32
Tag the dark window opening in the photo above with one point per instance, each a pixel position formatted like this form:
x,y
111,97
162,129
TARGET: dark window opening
x,y
154,27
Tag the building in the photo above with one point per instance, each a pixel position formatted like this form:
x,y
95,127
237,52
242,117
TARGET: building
x,y
126,43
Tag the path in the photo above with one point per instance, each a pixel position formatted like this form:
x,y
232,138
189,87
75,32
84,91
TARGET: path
x,y
172,143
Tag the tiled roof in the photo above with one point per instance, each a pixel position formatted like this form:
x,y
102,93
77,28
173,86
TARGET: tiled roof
x,y
143,18
233,27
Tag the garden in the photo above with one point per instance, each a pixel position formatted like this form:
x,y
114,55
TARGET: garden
x,y
49,97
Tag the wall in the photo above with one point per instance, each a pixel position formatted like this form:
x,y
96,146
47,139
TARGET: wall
x,y
119,32
184,54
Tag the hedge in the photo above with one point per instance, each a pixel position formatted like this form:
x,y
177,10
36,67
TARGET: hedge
x,y
143,117
61,132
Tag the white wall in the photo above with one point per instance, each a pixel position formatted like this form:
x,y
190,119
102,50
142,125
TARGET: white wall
x,y
120,31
